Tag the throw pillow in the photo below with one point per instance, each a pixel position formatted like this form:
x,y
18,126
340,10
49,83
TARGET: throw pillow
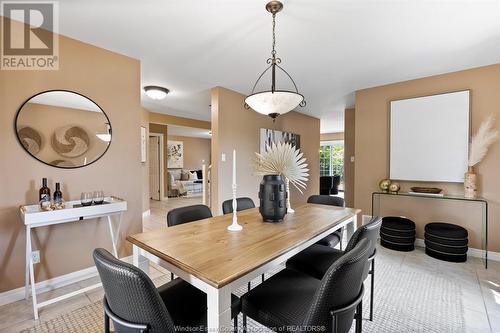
x,y
193,176
185,175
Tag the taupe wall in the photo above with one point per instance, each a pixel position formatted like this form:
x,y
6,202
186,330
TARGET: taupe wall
x,y
196,150
349,151
166,119
235,127
113,82
372,159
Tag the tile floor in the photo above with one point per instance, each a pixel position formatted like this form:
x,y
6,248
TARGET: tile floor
x,y
480,290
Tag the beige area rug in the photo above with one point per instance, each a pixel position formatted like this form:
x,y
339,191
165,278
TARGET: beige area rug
x,y
408,299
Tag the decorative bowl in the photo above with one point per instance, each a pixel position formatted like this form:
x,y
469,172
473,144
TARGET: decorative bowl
x,y
432,190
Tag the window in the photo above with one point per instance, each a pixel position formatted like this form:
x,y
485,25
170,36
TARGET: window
x,y
331,160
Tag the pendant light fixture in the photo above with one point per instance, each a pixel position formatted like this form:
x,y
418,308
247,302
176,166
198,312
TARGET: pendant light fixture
x,y
274,102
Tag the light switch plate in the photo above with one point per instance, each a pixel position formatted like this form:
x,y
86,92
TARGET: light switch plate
x,y
223,157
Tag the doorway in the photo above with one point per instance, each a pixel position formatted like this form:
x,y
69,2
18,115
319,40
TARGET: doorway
x,y
156,186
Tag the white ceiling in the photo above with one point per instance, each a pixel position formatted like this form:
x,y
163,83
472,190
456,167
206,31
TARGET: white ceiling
x,y
189,131
65,99
330,47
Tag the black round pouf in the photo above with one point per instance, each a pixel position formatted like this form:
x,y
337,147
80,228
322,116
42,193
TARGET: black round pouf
x,y
446,257
398,233
446,241
446,230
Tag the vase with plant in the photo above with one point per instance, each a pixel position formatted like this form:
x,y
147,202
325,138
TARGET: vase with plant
x,y
485,136
281,163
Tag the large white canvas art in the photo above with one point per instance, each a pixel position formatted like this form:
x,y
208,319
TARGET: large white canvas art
x,y
268,136
175,159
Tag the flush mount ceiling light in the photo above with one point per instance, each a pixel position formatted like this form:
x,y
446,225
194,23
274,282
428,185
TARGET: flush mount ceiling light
x,y
156,92
274,102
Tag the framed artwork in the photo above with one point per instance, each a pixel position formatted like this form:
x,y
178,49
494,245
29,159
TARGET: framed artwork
x,y
144,144
268,136
175,159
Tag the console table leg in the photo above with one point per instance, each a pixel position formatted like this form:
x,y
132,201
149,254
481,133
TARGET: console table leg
x,y
27,267
112,234
31,273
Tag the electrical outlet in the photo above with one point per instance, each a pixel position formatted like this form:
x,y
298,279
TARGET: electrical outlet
x,y
223,157
35,256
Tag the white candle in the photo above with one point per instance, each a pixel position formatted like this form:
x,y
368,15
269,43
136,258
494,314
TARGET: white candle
x,y
234,166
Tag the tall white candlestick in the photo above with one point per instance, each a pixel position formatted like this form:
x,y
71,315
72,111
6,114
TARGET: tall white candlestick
x,y
234,166
234,226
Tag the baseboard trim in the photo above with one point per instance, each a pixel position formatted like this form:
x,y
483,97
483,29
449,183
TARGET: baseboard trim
x,y
146,213
473,252
17,294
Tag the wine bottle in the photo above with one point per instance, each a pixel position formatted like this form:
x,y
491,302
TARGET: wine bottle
x,y
44,194
58,194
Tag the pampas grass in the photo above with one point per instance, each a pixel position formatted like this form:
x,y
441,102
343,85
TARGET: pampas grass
x,y
285,160
484,137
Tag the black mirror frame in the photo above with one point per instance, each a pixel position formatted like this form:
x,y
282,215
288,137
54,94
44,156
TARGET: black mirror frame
x,y
55,166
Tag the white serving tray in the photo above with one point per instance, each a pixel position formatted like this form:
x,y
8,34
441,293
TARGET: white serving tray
x,y
33,215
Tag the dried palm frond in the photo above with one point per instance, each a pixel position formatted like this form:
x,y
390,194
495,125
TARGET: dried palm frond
x,y
484,137
285,160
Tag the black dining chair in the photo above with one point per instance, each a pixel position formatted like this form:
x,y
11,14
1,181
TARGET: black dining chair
x,y
292,301
336,237
316,259
134,304
188,214
242,204
185,215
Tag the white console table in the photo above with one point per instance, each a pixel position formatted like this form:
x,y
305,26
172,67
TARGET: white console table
x,y
33,217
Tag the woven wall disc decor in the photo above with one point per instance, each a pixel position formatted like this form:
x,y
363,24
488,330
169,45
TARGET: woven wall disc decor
x,y
70,141
30,139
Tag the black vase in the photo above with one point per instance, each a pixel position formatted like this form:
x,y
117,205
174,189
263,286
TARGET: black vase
x,y
272,195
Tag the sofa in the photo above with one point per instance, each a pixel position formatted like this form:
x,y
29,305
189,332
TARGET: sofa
x,y
182,182
329,185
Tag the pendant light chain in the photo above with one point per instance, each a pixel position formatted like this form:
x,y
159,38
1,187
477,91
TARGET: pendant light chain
x,y
273,52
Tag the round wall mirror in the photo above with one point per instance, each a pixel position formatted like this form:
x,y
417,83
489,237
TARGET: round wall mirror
x,y
63,129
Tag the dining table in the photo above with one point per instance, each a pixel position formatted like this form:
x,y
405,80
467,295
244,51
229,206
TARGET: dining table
x,y
218,261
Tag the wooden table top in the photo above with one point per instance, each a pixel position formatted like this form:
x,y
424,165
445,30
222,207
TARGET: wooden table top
x,y
207,250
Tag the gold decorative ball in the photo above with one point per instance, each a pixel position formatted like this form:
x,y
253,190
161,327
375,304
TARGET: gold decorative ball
x,y
394,188
384,184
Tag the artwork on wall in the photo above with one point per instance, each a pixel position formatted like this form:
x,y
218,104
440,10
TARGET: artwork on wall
x,y
30,139
143,144
175,159
70,141
268,136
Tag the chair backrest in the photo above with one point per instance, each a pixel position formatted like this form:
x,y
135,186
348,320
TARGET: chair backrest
x,y
326,200
369,231
339,287
325,184
242,204
131,295
188,214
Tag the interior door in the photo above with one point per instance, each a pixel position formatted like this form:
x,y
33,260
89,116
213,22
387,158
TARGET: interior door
x,y
154,167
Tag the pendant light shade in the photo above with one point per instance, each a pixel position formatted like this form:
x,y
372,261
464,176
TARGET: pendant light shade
x,y
274,102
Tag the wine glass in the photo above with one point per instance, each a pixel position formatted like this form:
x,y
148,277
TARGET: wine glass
x,y
98,197
86,199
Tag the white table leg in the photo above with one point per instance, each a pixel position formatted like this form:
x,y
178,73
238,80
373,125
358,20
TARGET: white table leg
x,y
138,260
112,234
219,310
31,273
351,227
27,268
